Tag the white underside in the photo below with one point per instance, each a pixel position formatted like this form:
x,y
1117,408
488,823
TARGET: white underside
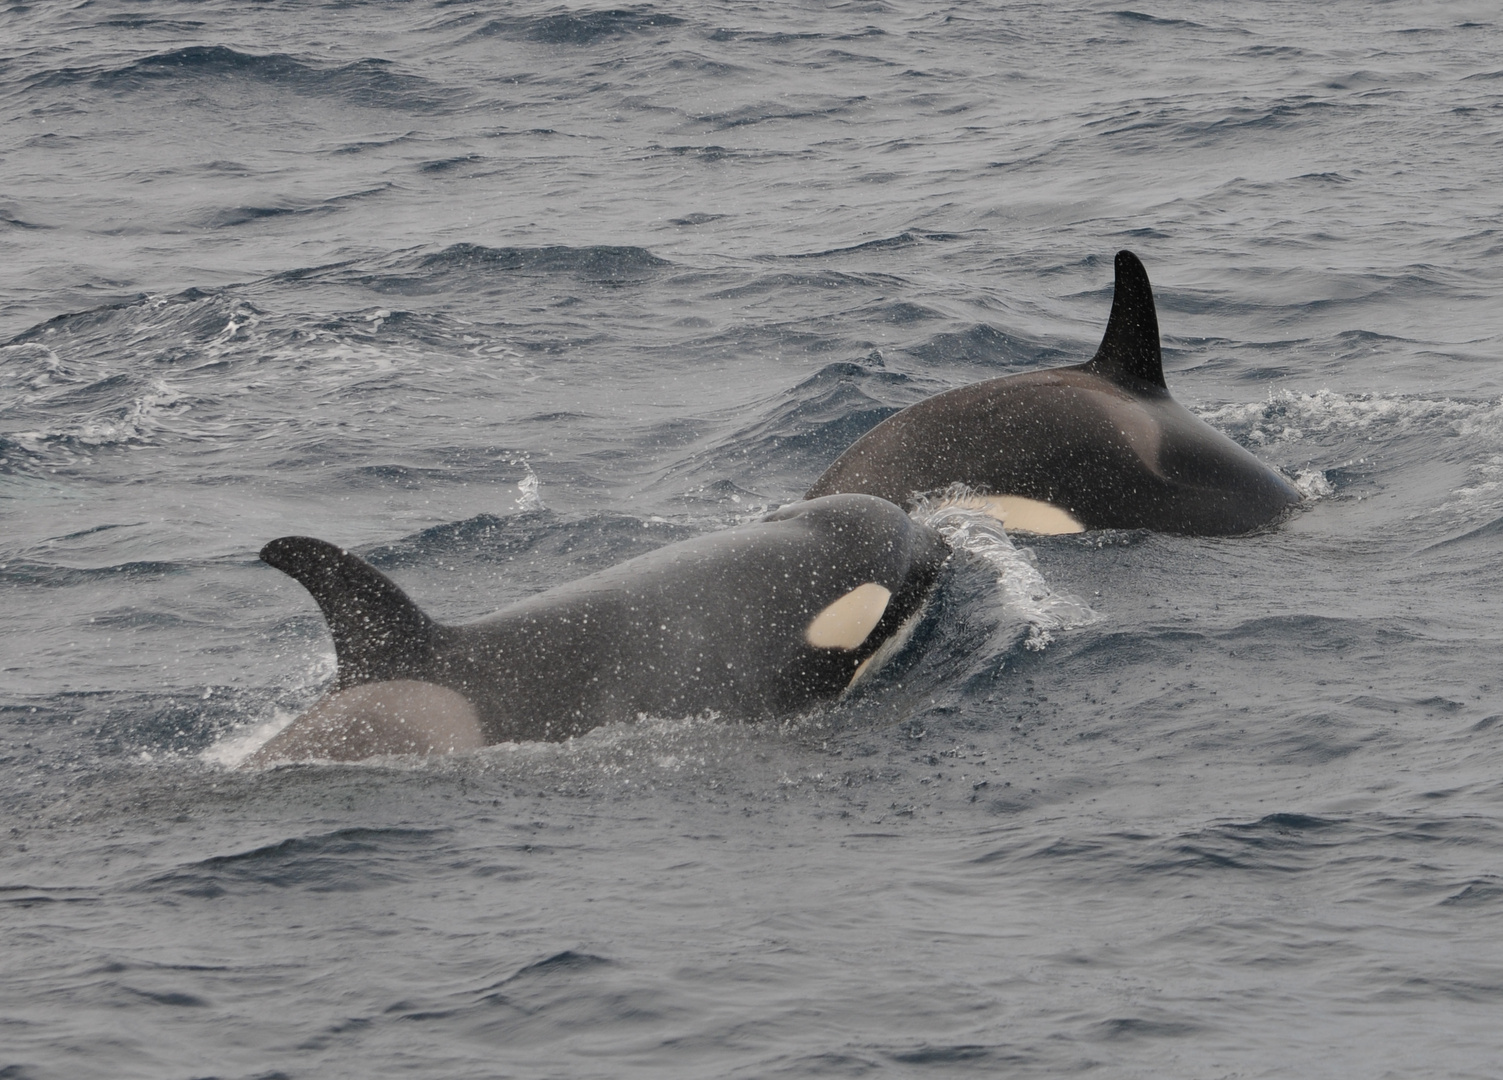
x,y
1018,514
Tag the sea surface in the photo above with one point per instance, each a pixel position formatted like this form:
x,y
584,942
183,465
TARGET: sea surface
x,y
499,294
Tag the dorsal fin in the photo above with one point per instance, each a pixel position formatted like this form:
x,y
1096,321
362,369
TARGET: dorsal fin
x,y
1129,354
379,634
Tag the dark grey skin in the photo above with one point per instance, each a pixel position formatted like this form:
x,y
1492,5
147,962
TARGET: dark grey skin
x,y
1102,441
722,622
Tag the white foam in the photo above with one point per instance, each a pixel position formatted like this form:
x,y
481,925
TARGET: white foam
x,y
34,366
144,417
241,318
1313,484
1290,416
1294,416
136,424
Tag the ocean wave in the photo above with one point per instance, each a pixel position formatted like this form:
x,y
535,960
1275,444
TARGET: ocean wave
x,y
94,416
761,37
1487,534
1279,843
471,267
800,430
792,280
1398,430
594,541
33,572
820,108
10,221
581,27
983,345
230,217
905,239
1129,16
346,860
600,263
166,325
372,83
1170,123
33,366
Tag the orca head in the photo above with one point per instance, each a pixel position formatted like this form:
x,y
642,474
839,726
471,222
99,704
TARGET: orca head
x,y
906,557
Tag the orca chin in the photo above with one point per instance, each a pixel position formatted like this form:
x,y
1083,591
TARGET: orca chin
x,y
764,619
1099,445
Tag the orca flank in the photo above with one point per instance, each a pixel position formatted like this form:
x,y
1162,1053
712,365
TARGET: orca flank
x,y
751,622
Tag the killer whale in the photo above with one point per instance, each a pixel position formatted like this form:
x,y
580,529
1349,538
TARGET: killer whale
x,y
761,619
1099,445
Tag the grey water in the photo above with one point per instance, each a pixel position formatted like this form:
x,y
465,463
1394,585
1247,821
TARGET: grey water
x,y
498,294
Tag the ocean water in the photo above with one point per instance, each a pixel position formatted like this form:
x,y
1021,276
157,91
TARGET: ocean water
x,y
499,294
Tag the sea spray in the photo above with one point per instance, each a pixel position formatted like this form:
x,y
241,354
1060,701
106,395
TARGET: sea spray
x,y
1024,593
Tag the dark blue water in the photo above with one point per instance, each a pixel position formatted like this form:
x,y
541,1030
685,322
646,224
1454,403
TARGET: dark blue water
x,y
500,294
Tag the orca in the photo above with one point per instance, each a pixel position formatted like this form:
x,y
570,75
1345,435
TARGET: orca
x,y
1099,445
762,619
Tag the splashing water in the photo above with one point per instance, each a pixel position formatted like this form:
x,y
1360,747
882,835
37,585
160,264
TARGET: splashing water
x,y
1313,484
529,487
1025,594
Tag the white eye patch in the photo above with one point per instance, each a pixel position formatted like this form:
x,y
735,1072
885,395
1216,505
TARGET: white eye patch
x,y
1018,514
846,623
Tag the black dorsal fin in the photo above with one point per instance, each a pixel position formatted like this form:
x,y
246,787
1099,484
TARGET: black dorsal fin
x,y
1129,354
379,634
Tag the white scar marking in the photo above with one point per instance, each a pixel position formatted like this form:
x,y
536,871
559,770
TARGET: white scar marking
x,y
846,622
1018,514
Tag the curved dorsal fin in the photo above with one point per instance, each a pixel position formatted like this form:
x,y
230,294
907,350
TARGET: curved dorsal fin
x,y
1129,354
379,634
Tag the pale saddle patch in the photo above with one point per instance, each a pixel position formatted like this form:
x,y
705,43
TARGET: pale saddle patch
x,y
1018,514
399,716
846,623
